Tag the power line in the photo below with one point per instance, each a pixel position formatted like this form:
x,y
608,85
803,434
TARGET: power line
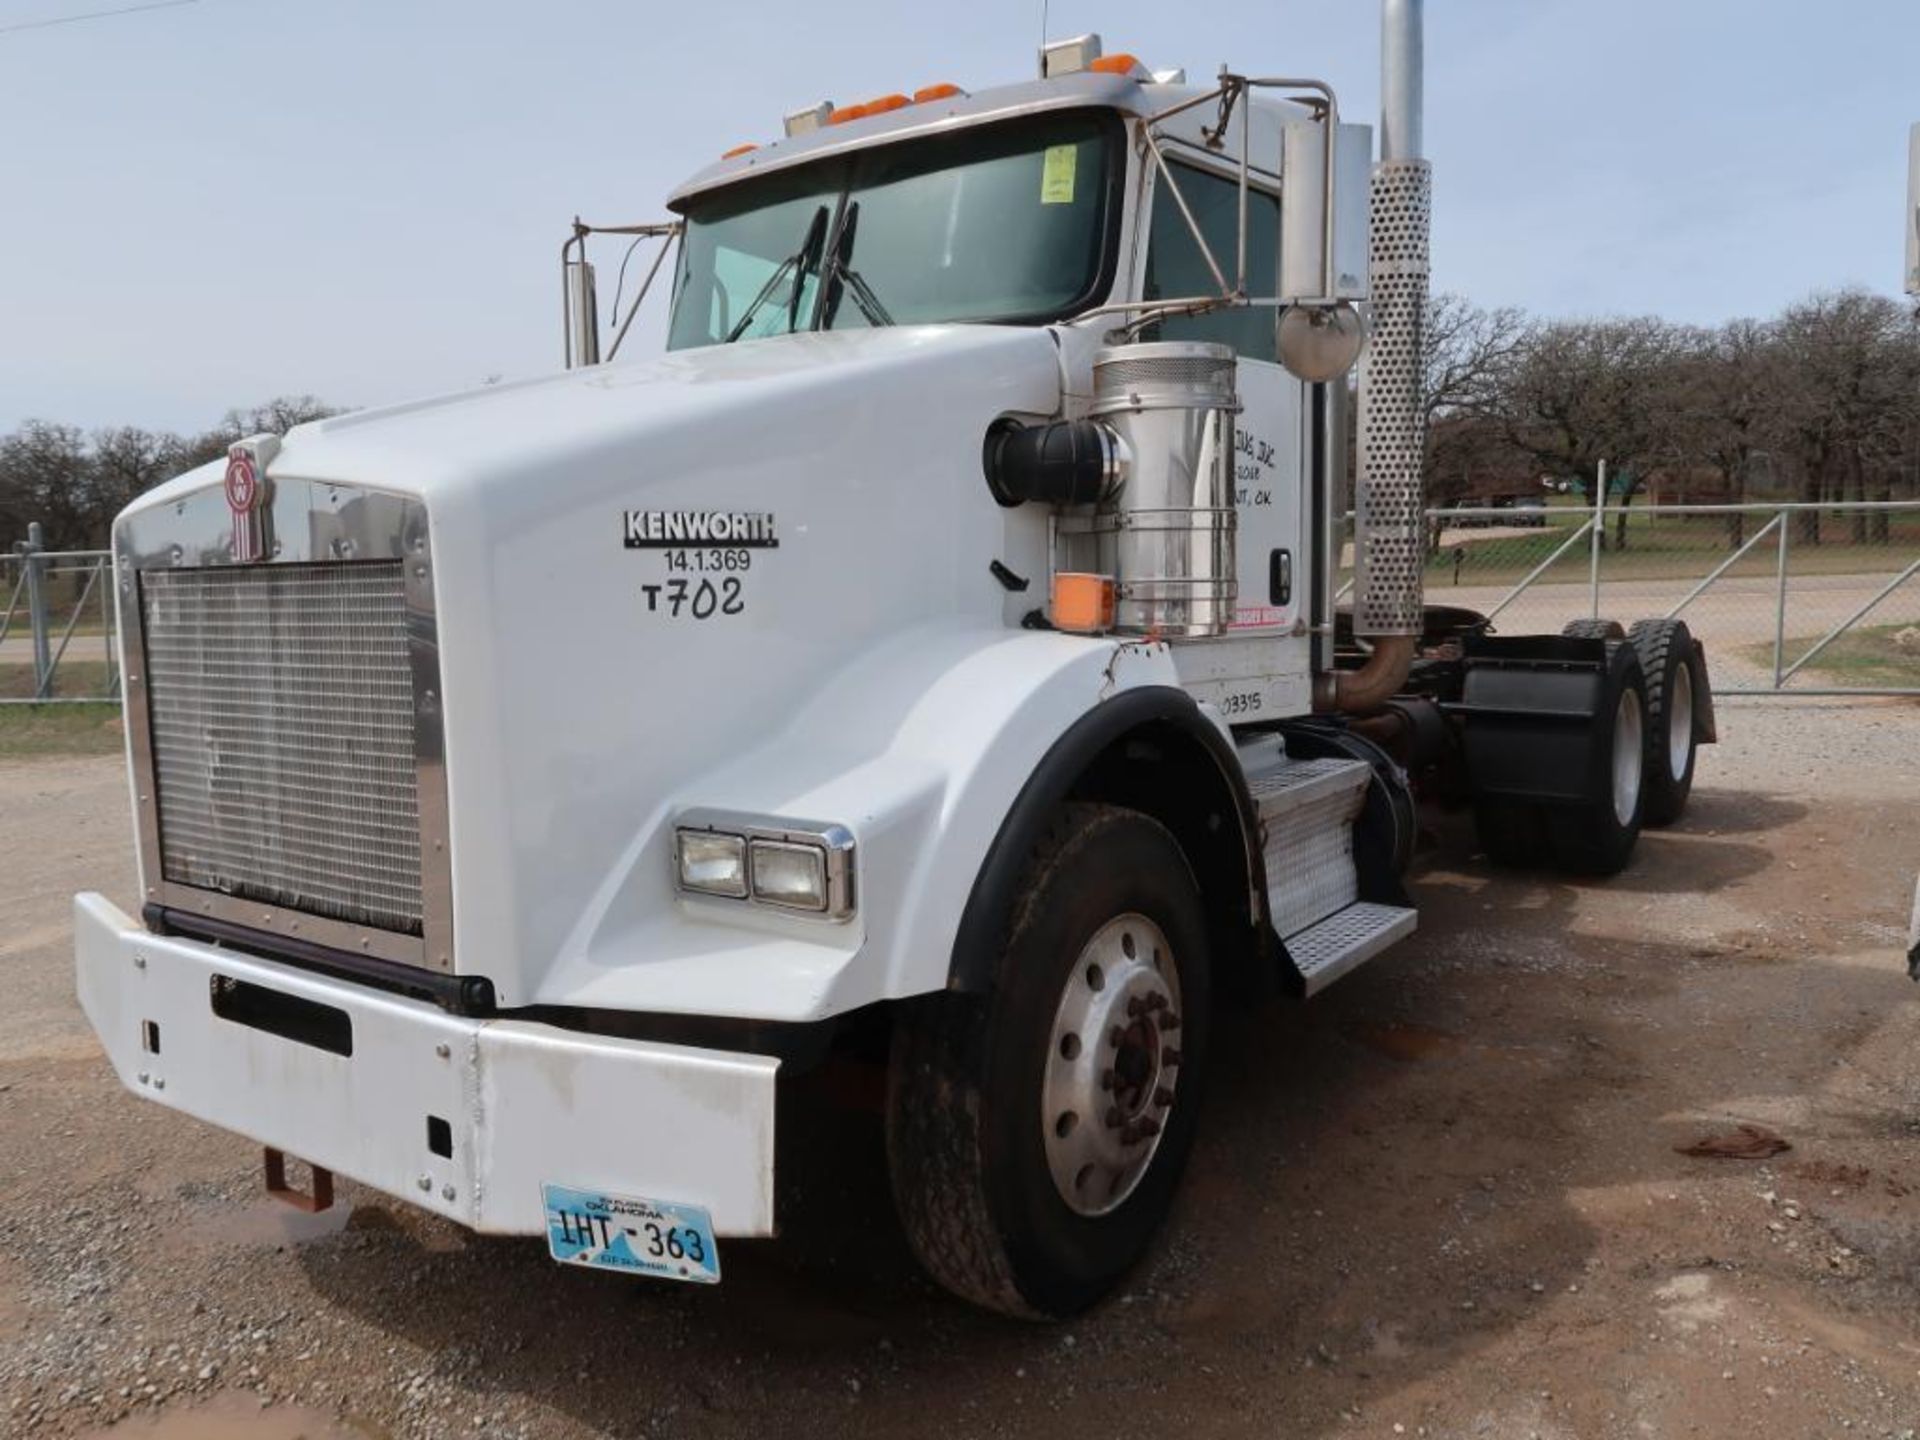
x,y
95,15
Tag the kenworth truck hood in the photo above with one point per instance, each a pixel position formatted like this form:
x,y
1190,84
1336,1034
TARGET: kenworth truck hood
x,y
596,677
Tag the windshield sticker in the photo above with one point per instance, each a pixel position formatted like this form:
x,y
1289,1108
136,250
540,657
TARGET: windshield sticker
x,y
1056,175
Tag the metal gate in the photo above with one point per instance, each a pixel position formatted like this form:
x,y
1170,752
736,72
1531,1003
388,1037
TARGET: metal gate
x,y
1791,599
58,642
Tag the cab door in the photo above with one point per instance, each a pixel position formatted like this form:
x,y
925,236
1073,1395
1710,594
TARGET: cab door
x,y
1271,435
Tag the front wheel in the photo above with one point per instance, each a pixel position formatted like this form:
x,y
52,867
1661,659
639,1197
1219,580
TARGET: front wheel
x,y
1036,1134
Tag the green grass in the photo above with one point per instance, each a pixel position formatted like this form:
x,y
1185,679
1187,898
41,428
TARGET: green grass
x,y
1869,656
72,680
68,729
33,730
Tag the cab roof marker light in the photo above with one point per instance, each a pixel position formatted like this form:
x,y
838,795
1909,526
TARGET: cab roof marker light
x,y
927,94
805,122
1068,57
1120,64
738,150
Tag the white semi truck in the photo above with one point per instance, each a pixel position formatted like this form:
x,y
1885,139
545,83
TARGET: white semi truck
x,y
934,651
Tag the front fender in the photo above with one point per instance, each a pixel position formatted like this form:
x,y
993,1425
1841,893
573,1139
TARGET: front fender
x,y
921,748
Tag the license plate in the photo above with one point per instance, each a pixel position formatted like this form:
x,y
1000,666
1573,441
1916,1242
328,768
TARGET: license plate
x,y
639,1237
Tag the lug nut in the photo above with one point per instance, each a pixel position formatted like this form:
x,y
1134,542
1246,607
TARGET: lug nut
x,y
1106,1079
1156,1001
1137,1007
1113,1118
1163,1097
1147,1127
1170,1021
1116,1036
1169,1057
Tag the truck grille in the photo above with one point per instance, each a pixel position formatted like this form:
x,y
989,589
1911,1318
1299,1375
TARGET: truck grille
x,y
282,717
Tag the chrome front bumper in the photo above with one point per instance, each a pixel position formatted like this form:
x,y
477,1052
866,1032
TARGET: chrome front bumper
x,y
524,1103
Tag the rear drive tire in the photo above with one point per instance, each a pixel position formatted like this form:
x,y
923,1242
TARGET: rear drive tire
x,y
1593,630
1036,1134
1675,679
1597,836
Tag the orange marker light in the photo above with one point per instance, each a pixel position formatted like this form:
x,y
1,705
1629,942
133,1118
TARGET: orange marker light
x,y
737,150
846,113
1082,603
1121,64
928,93
886,103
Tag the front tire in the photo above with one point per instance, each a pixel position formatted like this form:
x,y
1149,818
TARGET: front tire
x,y
1036,1134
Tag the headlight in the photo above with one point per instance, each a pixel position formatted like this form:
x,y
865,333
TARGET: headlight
x,y
794,865
791,875
713,864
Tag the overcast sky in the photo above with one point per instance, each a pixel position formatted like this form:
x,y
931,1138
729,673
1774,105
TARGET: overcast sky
x,y
215,202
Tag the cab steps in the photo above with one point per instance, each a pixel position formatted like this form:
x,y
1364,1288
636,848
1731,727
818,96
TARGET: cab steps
x,y
1307,813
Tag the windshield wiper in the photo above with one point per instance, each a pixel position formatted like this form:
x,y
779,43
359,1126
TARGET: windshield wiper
x,y
795,265
839,273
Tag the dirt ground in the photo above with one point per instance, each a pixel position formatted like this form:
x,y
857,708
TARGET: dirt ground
x,y
1442,1200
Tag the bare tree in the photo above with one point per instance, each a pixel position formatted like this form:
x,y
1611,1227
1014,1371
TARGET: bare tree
x,y
45,475
1844,413
1463,350
1724,402
1580,392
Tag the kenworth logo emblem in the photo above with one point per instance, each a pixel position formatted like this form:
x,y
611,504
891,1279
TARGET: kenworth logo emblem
x,y
246,486
668,529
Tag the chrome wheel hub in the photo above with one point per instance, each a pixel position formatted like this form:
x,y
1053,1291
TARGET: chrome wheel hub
x,y
1629,754
1680,722
1113,1065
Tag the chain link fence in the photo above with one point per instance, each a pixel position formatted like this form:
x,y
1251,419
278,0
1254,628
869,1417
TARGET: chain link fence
x,y
1789,598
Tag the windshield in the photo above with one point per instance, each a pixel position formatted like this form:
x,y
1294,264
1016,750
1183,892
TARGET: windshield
x,y
1010,222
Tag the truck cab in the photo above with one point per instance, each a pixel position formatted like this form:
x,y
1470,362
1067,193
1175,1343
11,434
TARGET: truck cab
x,y
935,648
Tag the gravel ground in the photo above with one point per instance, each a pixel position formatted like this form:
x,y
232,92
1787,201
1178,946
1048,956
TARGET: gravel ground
x,y
1443,1200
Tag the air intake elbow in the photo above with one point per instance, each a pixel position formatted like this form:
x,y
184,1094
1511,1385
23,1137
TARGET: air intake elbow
x,y
1063,462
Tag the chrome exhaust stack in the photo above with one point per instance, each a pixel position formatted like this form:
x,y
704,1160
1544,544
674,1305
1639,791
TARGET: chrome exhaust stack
x,y
1389,520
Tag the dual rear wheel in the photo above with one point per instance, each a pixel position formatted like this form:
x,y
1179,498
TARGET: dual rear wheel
x,y
1640,766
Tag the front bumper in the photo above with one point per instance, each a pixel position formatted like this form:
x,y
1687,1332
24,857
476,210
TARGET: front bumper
x,y
525,1103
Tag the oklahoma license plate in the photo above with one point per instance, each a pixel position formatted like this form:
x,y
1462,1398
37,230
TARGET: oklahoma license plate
x,y
640,1237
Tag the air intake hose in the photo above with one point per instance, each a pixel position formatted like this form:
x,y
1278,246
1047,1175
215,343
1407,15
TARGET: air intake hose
x,y
1064,462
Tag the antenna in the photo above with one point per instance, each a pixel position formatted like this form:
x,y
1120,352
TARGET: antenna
x,y
1043,25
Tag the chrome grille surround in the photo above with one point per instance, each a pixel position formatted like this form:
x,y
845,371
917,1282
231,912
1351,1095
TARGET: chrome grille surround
x,y
285,720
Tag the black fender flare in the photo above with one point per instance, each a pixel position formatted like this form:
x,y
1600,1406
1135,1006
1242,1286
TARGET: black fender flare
x,y
979,938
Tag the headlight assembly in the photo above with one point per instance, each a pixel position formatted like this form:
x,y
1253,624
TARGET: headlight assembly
x,y
798,866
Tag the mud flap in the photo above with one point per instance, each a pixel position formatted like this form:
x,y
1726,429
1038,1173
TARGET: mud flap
x,y
1527,710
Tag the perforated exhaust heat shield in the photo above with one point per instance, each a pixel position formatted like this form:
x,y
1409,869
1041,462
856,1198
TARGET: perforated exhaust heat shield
x,y
1390,533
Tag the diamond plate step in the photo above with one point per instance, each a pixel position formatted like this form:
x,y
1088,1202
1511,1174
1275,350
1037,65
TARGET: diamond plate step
x,y
1294,784
1307,809
1347,939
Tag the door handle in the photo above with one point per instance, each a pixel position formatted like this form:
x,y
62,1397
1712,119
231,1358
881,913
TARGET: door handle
x,y
1280,578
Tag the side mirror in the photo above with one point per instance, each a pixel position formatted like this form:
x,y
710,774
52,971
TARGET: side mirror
x,y
1318,343
583,315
